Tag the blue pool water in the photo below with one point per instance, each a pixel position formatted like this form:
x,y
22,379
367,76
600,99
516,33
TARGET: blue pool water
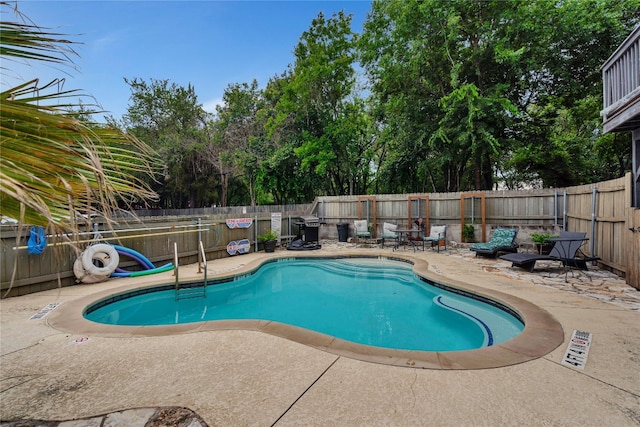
x,y
375,302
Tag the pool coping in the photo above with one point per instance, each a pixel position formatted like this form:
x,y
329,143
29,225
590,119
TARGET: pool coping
x,y
542,333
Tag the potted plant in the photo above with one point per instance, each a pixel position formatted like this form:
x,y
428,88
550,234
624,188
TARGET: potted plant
x,y
469,233
540,240
269,240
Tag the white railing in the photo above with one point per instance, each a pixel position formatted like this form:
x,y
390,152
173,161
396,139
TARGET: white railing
x,y
621,77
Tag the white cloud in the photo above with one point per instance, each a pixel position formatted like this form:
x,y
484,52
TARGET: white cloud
x,y
106,42
210,106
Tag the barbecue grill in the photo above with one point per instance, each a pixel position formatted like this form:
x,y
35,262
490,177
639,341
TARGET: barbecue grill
x,y
309,226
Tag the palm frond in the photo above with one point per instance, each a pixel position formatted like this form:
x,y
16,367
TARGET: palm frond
x,y
53,165
27,41
49,157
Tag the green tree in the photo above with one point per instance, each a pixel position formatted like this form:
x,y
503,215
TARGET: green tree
x,y
442,73
318,115
561,125
468,91
240,134
280,178
170,119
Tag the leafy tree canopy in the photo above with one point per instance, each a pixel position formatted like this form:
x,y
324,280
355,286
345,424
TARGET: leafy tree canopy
x,y
432,96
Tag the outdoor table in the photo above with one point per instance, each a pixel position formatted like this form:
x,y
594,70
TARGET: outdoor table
x,y
403,237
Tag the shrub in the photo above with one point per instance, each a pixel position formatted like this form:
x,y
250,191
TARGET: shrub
x,y
269,235
541,237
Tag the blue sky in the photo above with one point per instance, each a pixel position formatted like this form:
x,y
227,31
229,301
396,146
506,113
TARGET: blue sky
x,y
207,43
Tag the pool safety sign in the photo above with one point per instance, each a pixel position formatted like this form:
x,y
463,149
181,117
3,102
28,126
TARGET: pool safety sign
x,y
239,247
578,349
276,223
239,222
45,310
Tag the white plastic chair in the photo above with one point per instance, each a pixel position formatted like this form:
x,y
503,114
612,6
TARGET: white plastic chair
x,y
437,234
361,227
389,233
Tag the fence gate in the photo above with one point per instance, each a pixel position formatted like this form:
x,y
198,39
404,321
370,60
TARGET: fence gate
x,y
633,248
368,211
473,214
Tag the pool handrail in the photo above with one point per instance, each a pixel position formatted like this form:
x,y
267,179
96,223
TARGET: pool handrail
x,y
189,290
204,261
175,263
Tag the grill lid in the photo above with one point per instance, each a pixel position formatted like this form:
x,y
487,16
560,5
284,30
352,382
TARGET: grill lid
x,y
311,221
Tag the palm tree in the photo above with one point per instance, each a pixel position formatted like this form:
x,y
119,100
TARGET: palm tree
x,y
56,166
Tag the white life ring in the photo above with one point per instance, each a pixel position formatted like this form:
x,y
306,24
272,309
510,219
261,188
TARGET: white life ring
x,y
78,269
109,263
81,273
90,278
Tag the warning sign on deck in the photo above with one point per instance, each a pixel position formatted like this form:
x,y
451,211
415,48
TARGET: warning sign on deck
x,y
45,310
578,349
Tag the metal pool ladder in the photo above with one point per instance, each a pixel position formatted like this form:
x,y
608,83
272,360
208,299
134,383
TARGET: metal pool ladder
x,y
190,290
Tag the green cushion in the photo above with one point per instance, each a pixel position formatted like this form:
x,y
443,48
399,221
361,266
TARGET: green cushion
x,y
436,234
502,237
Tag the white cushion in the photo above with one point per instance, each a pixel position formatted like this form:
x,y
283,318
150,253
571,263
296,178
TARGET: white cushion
x,y
361,226
437,231
389,230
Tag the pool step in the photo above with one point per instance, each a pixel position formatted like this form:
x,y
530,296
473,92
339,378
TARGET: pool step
x,y
191,290
376,269
497,325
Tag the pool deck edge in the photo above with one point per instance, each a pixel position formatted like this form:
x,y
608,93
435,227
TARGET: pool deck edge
x,y
542,333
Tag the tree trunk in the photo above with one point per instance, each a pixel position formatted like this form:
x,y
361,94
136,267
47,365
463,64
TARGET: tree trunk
x,y
224,186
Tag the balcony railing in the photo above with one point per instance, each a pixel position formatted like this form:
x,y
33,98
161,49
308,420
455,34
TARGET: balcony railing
x,y
621,86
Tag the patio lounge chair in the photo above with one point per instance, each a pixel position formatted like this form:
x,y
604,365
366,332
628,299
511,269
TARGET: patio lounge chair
x,y
389,233
565,251
502,240
437,234
361,227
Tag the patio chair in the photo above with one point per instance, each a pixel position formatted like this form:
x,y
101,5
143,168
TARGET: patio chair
x,y
565,250
437,234
361,227
502,240
389,234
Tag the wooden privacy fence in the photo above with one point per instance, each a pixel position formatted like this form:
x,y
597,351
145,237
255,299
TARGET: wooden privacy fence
x,y
151,236
602,210
533,208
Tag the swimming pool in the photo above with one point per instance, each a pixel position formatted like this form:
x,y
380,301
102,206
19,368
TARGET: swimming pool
x,y
374,302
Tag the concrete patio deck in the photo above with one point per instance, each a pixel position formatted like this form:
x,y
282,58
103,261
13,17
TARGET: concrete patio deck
x,y
250,378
